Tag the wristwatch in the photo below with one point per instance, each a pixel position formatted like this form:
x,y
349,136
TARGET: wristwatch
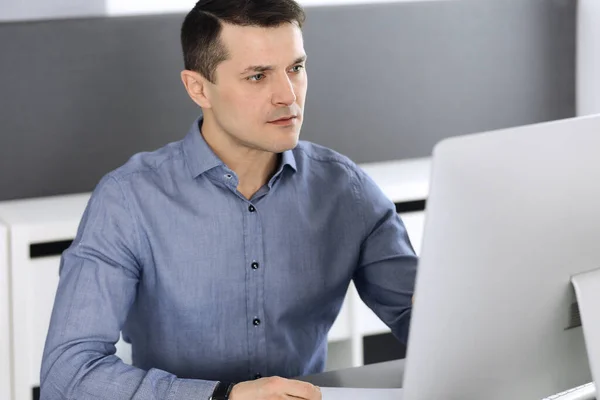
x,y
222,391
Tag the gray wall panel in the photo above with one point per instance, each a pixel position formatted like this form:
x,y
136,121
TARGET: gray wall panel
x,y
387,81
81,96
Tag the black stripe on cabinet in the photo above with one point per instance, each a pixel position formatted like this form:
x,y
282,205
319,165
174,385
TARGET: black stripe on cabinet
x,y
48,249
410,206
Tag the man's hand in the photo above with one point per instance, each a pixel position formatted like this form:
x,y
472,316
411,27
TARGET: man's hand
x,y
275,388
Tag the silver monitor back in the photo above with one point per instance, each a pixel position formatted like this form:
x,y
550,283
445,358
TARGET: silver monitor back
x,y
511,215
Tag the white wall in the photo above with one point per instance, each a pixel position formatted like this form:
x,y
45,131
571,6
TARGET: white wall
x,y
588,57
12,10
124,7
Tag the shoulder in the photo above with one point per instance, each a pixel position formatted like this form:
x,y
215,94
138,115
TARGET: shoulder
x,y
320,159
149,162
314,156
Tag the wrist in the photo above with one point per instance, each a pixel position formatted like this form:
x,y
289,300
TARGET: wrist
x,y
222,391
234,388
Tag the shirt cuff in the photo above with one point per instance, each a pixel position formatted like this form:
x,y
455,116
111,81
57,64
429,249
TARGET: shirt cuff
x,y
192,389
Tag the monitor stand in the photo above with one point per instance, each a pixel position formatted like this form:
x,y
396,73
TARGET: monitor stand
x,y
587,291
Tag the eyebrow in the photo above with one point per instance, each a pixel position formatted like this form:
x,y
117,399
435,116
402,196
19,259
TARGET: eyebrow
x,y
263,68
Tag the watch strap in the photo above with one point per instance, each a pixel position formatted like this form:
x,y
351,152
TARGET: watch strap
x,y
222,391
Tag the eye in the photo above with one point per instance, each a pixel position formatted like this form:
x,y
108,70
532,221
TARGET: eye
x,y
297,68
256,78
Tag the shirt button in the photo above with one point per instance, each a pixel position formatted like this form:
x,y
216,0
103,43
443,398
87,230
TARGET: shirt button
x,y
256,322
257,376
251,208
254,265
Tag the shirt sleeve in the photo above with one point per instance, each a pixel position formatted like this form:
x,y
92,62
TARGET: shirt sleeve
x,y
385,275
99,274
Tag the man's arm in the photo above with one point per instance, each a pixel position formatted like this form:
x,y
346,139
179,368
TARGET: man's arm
x,y
99,274
385,276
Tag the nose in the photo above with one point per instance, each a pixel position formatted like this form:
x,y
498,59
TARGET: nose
x,y
283,92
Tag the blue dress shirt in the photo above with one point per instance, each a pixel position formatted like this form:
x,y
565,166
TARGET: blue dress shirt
x,y
207,285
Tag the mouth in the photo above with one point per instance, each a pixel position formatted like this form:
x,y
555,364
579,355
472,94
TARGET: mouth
x,y
283,121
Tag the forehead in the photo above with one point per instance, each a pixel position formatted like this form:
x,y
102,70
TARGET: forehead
x,y
258,45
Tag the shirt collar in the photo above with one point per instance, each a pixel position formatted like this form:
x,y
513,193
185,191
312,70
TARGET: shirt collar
x,y
288,159
200,157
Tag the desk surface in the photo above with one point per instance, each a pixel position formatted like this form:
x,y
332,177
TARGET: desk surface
x,y
381,375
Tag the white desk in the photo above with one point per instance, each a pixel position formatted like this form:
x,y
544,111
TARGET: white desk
x,y
33,280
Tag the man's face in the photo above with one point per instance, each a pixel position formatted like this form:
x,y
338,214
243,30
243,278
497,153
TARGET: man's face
x,y
259,91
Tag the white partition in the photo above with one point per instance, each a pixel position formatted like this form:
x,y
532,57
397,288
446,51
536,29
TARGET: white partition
x,y
5,368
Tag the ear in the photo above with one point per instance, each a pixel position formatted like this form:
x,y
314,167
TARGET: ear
x,y
196,86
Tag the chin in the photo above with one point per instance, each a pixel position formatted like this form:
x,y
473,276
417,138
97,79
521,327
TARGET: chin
x,y
281,146
284,141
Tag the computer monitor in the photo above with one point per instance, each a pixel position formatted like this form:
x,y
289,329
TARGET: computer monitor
x,y
511,216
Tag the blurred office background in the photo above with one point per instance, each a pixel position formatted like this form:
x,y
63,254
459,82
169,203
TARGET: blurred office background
x,y
387,80
85,84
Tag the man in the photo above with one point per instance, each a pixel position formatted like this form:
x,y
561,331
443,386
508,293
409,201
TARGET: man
x,y
226,256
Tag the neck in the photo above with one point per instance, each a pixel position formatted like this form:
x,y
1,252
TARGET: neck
x,y
253,167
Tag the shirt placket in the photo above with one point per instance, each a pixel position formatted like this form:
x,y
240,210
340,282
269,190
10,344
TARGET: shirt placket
x,y
255,276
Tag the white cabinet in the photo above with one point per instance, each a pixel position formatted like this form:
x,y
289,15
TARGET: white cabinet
x,y
38,231
31,224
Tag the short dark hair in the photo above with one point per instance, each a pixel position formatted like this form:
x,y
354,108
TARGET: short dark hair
x,y
201,29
